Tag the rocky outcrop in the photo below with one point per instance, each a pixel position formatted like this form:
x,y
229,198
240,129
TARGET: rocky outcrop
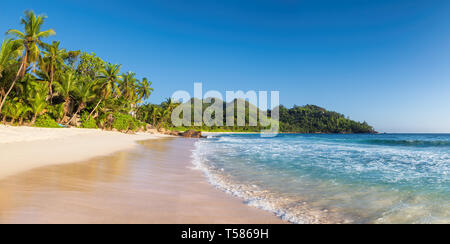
x,y
192,134
173,133
189,134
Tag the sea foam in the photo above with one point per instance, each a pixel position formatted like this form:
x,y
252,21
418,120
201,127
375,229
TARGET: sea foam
x,y
331,178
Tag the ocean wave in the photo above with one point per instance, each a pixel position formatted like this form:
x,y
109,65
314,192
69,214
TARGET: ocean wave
x,y
293,209
330,180
408,143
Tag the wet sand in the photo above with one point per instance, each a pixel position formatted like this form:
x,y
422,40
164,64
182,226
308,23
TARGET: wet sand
x,y
152,183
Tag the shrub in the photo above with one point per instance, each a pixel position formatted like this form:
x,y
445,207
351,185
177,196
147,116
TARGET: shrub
x,y
125,122
88,123
56,111
120,122
46,122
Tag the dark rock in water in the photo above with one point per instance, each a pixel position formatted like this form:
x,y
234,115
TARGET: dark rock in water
x,y
192,134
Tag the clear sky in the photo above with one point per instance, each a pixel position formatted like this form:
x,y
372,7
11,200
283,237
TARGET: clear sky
x,y
386,62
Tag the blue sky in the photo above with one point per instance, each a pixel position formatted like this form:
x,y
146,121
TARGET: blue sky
x,y
386,62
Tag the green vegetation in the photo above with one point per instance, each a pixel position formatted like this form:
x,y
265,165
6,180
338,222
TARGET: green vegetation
x,y
314,119
46,121
88,122
125,122
45,85
306,119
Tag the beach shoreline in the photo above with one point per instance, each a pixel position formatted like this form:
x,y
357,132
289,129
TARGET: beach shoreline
x,y
98,168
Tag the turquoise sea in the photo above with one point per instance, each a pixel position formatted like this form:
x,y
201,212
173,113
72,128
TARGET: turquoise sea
x,y
385,178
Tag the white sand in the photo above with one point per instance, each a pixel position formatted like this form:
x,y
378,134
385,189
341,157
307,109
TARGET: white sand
x,y
154,183
24,148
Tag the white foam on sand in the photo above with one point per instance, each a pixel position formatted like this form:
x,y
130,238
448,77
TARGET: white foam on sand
x,y
288,208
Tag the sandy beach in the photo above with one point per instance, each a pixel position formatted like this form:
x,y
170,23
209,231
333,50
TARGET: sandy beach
x,y
25,148
93,176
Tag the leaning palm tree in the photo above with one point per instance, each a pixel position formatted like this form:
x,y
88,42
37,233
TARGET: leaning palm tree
x,y
65,89
9,51
31,39
30,42
84,94
106,84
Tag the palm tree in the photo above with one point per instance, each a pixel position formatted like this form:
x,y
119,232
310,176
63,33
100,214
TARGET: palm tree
x,y
84,93
127,85
9,51
53,57
164,117
57,111
107,83
156,113
144,90
24,113
31,39
168,106
16,110
36,98
65,89
6,112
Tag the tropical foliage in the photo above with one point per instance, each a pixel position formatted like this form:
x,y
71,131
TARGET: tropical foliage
x,y
43,84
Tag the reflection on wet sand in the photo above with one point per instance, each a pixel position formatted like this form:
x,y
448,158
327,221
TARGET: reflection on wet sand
x,y
150,184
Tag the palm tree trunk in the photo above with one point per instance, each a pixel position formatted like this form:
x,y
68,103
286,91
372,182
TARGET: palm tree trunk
x,y
96,106
12,121
66,107
50,85
34,118
81,107
12,86
25,63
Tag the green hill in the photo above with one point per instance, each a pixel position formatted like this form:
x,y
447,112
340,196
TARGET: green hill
x,y
299,119
314,119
